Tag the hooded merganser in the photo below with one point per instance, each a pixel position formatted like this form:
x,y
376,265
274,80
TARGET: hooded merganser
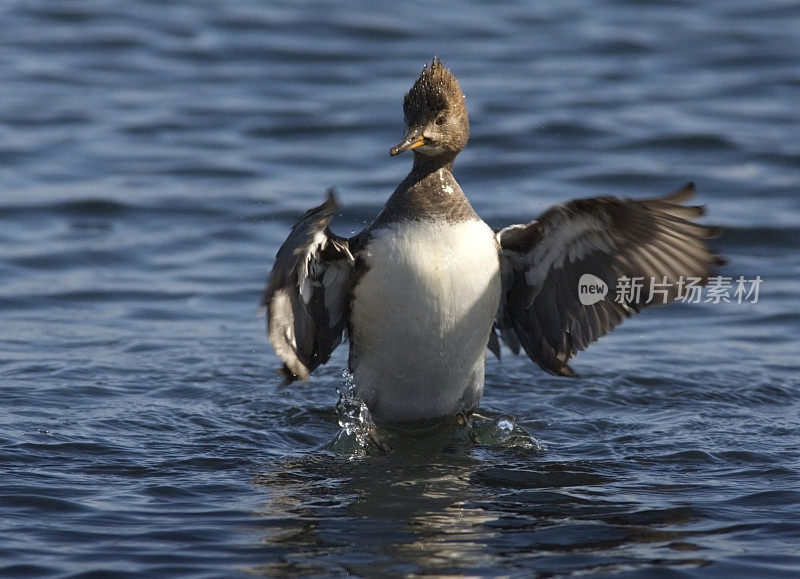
x,y
423,290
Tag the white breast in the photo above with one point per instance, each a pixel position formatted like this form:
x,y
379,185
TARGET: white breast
x,y
421,317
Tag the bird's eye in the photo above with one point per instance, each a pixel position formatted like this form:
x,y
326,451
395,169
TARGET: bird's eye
x,y
440,120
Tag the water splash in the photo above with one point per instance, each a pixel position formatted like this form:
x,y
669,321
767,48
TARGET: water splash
x,y
358,432
501,432
361,436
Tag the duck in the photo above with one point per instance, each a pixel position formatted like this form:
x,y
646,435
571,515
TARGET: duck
x,y
424,291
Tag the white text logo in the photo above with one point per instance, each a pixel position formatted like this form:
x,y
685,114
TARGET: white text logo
x,y
591,289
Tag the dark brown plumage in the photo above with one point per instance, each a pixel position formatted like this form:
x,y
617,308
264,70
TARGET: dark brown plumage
x,y
611,239
435,90
435,108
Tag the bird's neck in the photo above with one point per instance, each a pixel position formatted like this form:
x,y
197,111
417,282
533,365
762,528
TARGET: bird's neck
x,y
429,190
425,165
430,177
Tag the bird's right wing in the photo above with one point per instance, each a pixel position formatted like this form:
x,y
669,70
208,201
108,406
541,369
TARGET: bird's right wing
x,y
308,293
606,241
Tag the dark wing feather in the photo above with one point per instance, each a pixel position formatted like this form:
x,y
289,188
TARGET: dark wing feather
x,y
308,293
610,238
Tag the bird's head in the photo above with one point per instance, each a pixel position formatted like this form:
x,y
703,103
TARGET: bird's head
x,y
435,114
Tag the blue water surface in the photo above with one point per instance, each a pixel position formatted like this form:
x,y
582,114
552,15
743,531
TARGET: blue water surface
x,y
153,156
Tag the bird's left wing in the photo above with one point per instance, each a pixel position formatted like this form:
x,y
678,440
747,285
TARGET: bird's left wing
x,y
308,293
597,244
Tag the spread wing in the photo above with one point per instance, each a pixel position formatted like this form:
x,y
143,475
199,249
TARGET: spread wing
x,y
623,242
308,293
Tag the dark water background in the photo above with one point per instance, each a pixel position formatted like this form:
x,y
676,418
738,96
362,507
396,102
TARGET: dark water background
x,y
153,156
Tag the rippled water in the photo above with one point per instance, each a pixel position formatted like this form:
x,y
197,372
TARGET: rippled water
x,y
152,158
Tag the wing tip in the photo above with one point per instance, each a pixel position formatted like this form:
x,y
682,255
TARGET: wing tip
x,y
565,371
289,376
681,195
494,343
332,199
713,231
